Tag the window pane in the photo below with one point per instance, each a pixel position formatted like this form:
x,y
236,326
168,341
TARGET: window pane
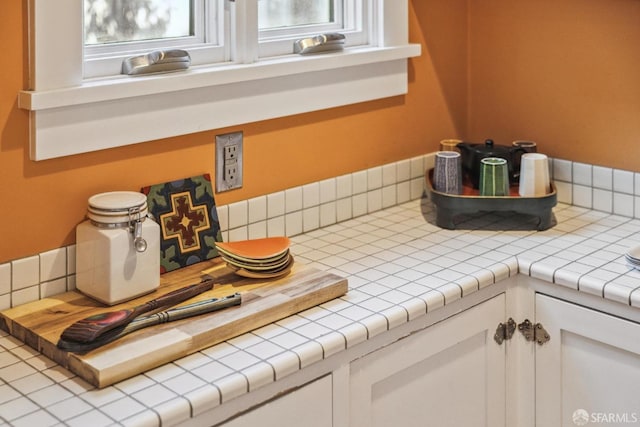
x,y
114,21
289,13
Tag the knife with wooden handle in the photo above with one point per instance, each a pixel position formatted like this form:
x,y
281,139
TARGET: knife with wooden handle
x,y
166,316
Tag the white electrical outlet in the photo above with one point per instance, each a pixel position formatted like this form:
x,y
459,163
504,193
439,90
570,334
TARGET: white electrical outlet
x,y
228,161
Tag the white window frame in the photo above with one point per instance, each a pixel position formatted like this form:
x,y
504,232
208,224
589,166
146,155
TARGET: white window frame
x,y
71,115
274,42
206,46
331,26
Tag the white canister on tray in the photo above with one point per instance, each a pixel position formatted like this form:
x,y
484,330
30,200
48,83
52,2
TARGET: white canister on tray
x,y
117,248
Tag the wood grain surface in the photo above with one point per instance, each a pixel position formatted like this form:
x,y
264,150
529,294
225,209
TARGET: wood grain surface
x,y
40,323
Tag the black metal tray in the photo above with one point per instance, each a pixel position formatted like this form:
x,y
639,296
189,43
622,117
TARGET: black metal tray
x,y
448,206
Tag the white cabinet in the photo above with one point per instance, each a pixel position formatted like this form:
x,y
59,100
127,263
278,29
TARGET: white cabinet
x,y
589,372
450,374
309,406
453,373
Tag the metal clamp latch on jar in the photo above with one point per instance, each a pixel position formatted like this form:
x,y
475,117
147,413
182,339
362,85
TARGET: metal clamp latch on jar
x,y
135,223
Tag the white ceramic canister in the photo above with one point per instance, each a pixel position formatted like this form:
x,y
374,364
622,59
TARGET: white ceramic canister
x,y
117,248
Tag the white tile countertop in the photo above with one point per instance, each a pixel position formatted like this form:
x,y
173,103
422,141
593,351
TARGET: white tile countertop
x,y
400,267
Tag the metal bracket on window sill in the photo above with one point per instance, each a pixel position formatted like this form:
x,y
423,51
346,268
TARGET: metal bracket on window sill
x,y
159,61
320,43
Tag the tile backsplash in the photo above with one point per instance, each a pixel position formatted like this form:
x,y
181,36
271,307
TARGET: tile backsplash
x,y
305,208
599,188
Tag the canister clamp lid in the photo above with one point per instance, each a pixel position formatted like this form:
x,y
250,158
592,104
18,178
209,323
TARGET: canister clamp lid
x,y
117,207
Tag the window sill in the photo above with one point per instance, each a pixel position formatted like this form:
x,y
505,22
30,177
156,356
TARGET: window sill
x,y
107,113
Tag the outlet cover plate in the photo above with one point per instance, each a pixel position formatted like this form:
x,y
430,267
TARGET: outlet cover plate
x,y
228,161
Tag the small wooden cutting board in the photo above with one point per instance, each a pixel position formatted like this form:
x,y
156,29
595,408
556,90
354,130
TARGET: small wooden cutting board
x,y
40,323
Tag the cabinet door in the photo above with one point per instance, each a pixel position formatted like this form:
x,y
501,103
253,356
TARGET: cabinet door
x,y
450,374
310,406
589,372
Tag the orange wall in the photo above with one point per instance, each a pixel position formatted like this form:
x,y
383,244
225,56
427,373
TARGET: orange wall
x,y
43,201
563,73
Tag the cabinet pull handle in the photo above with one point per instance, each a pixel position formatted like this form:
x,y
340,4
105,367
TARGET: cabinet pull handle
x,y
533,332
505,331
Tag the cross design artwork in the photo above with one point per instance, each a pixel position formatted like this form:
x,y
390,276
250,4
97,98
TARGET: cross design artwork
x,y
185,222
186,212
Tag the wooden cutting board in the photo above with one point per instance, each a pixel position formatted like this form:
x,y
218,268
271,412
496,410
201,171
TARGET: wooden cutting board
x,y
40,323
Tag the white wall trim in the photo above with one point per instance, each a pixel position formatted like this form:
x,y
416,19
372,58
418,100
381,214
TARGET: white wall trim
x,y
72,121
121,87
71,115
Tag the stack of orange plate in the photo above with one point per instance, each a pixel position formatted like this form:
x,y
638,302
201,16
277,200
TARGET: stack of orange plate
x,y
258,258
